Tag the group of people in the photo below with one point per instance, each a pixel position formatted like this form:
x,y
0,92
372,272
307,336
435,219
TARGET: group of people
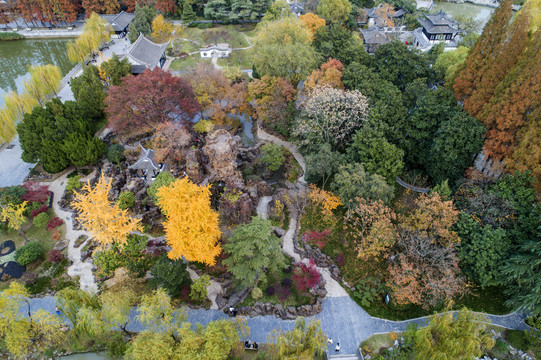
x,y
337,348
251,345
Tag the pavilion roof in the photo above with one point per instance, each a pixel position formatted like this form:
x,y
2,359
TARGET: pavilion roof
x,y
145,52
146,160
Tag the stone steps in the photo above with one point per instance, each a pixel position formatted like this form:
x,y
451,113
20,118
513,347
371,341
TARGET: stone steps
x,y
343,357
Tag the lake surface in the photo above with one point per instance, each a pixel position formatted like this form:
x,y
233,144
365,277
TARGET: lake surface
x,y
17,56
478,12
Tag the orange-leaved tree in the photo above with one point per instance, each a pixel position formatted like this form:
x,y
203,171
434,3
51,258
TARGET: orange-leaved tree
x,y
191,228
324,201
329,74
370,226
101,217
312,22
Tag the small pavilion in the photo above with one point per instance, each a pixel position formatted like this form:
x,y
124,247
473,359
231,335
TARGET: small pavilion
x,y
146,165
119,22
144,54
373,38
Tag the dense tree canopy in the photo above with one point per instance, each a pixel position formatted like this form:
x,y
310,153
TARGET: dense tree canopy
x,y
57,136
255,253
153,97
89,92
282,48
331,116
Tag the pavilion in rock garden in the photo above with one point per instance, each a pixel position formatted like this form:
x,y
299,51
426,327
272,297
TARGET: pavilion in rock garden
x,y
146,166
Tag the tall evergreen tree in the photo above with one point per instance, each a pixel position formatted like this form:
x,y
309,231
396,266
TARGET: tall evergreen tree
x,y
89,91
188,14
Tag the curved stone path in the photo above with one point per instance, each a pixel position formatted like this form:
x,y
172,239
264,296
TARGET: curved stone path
x,y
341,318
78,268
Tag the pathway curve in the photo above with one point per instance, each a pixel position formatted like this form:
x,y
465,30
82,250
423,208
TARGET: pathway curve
x,y
292,149
78,268
213,290
341,318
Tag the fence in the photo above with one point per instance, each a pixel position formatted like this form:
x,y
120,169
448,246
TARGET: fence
x,y
411,187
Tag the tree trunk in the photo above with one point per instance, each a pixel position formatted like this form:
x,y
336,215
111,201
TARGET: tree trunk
x,y
23,235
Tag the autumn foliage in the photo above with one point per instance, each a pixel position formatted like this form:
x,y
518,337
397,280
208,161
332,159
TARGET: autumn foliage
x,y
191,227
330,74
371,229
312,22
306,276
102,218
324,200
153,97
426,269
501,86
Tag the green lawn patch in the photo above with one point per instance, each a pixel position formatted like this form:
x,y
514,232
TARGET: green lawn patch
x,y
187,63
378,341
238,58
10,35
230,34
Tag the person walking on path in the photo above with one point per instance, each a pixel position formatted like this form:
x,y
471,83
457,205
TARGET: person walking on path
x,y
337,348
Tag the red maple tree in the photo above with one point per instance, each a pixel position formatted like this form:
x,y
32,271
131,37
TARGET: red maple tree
x,y
153,97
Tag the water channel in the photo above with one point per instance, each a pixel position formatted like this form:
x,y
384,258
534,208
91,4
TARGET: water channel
x,y
477,12
17,56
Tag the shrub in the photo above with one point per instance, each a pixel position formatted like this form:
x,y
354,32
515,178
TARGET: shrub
x,y
257,293
116,345
115,154
287,282
12,195
317,238
198,293
534,321
54,223
35,192
56,235
340,259
170,274
38,285
163,179
41,209
502,345
270,290
203,126
283,293
517,339
28,253
305,276
41,220
74,183
126,200
55,256
273,156
10,35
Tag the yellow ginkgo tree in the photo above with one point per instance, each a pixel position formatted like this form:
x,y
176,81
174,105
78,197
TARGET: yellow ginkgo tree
x,y
101,217
191,228
14,215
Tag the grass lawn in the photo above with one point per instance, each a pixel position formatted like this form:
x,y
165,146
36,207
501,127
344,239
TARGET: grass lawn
x,y
231,34
238,58
179,46
34,233
187,63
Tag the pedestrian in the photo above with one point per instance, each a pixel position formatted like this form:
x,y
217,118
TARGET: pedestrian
x,y
58,311
337,348
329,340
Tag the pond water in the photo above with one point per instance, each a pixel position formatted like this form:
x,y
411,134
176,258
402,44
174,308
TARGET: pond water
x,y
86,356
478,12
17,56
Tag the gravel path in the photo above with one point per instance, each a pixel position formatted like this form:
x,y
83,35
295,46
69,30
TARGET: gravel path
x,y
13,169
78,268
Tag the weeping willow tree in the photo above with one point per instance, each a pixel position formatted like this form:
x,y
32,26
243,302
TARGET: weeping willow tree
x,y
44,80
95,32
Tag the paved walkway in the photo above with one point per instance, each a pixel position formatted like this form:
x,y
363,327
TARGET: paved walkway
x,y
341,318
79,268
13,169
